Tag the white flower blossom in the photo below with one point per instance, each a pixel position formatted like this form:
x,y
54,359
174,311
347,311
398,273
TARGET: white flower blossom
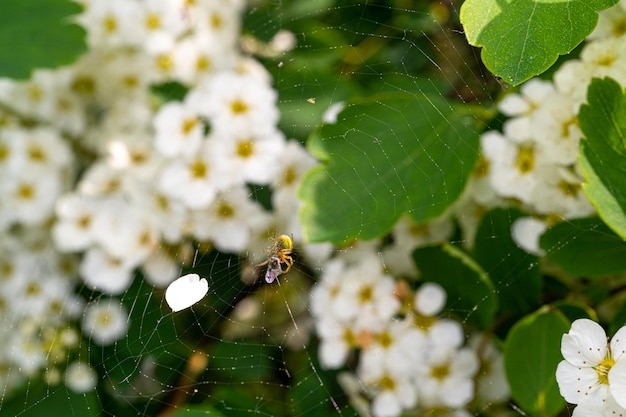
x,y
593,370
105,321
179,130
526,232
80,377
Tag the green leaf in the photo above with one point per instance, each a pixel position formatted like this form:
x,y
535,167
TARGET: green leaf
x,y
532,351
40,399
386,155
514,272
315,394
470,292
237,401
196,411
574,310
38,34
585,247
619,320
152,336
523,38
241,361
603,151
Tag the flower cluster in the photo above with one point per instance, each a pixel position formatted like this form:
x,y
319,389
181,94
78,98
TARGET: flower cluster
x,y
408,356
117,170
533,160
36,300
593,373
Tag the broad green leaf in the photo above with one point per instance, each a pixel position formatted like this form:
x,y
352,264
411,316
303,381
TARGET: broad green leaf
x,y
619,320
585,247
241,400
40,399
470,293
574,310
513,271
532,351
151,340
38,34
314,395
603,151
241,361
196,411
386,155
523,38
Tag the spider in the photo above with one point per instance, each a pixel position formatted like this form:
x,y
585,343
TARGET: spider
x,y
280,254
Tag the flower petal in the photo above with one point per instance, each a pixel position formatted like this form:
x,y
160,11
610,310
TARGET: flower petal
x,y
589,411
186,291
618,344
585,344
386,405
617,382
579,385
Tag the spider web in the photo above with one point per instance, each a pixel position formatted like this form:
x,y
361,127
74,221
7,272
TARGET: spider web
x,y
249,348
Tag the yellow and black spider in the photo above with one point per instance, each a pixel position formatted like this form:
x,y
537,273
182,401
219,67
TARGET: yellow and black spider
x,y
281,252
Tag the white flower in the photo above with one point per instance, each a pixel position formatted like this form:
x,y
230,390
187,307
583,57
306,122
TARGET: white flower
x,y
29,296
124,232
193,180
230,99
610,23
40,149
30,197
197,58
166,215
101,179
248,155
491,382
128,74
80,377
160,269
562,194
592,370
532,94
159,17
555,128
178,130
407,235
186,291
445,333
336,341
294,162
523,106
392,390
399,348
396,393
606,58
26,352
76,216
134,153
430,299
325,292
526,232
105,321
226,221
112,23
220,21
516,168
104,272
46,96
446,378
367,295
